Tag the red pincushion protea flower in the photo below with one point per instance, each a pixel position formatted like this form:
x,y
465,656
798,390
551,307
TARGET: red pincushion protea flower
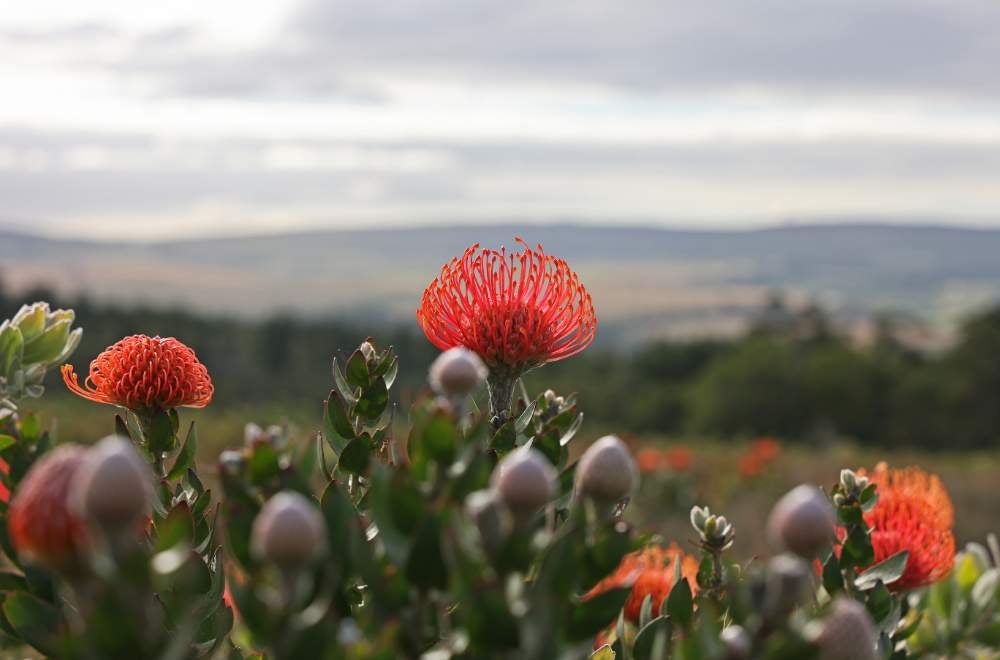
x,y
914,513
515,310
650,571
145,373
41,526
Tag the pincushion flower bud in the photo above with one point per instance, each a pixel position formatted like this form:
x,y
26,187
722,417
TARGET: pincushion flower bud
x,y
457,373
788,585
289,531
525,481
41,525
606,473
802,522
486,510
113,489
847,633
736,643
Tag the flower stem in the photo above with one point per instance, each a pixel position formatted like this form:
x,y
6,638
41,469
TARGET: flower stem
x,y
501,386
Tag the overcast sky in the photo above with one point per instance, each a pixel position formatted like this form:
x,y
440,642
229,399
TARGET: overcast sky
x,y
139,120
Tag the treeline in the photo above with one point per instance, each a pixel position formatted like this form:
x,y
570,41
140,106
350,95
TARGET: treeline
x,y
802,386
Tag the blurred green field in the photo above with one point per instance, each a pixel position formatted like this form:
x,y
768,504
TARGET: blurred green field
x,y
665,498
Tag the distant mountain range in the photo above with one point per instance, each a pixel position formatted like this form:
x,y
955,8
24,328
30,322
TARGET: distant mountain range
x,y
645,282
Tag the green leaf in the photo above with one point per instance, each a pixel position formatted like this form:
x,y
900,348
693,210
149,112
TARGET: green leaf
x,y
338,427
425,566
887,571
439,438
357,370
161,433
6,441
341,518
48,345
603,653
30,428
833,578
857,550
11,350
373,400
642,649
869,497
356,456
880,604
595,614
505,438
680,603
36,622
524,418
571,431
12,582
175,529
349,393
185,458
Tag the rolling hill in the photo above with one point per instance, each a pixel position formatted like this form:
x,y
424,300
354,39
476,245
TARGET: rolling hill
x,y
645,281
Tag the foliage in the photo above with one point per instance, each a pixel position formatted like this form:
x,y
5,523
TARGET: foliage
x,y
431,545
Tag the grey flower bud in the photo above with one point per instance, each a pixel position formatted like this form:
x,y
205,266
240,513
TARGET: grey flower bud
x,y
847,633
736,643
788,585
289,531
367,350
524,481
490,517
606,472
113,487
457,373
802,522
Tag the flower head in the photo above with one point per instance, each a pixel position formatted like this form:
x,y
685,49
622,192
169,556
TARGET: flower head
x,y
145,373
913,513
650,572
517,310
42,527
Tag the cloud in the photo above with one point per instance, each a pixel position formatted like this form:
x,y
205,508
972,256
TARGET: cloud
x,y
102,184
911,46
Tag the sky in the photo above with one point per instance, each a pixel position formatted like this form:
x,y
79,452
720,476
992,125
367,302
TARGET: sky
x,y
137,121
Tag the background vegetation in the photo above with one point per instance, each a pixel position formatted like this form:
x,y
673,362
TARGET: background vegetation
x,y
796,380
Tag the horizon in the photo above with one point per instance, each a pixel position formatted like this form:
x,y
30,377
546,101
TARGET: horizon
x,y
521,227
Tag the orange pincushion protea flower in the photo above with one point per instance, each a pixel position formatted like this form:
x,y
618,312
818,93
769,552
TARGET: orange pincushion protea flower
x,y
145,373
650,571
914,513
515,310
41,526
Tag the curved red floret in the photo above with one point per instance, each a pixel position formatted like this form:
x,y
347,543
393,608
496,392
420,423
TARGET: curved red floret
x,y
517,310
145,373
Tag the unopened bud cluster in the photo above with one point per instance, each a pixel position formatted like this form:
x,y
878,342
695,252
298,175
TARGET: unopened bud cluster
x,y
851,486
715,532
42,337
